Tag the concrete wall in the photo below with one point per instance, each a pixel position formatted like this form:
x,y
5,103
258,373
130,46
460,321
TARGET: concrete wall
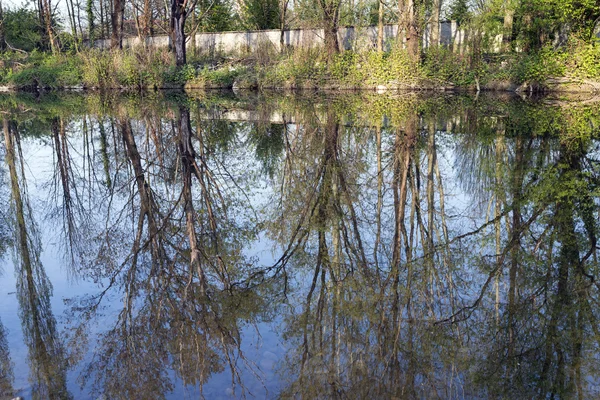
x,y
351,38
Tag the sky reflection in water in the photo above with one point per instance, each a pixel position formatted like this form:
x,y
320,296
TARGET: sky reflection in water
x,y
295,246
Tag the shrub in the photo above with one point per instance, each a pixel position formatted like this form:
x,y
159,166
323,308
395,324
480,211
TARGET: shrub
x,y
541,65
585,60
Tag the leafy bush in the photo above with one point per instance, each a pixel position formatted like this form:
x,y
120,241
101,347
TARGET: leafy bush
x,y
446,66
221,77
585,60
50,71
99,69
541,65
131,68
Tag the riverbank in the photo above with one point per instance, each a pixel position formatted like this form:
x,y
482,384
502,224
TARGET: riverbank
x,y
574,68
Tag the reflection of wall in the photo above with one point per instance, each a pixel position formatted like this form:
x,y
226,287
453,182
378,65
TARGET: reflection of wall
x,y
351,38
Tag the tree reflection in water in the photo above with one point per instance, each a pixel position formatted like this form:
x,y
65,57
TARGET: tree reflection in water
x,y
425,248
47,358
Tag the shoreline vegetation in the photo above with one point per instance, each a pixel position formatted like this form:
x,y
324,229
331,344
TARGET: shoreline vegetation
x,y
572,68
528,46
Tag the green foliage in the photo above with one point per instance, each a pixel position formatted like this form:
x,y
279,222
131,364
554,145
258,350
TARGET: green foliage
x,y
584,61
215,16
22,29
459,12
261,14
444,65
347,69
68,43
45,71
134,69
578,60
374,68
543,18
98,69
295,68
539,66
222,77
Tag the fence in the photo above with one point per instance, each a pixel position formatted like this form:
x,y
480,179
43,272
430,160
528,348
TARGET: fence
x,y
350,38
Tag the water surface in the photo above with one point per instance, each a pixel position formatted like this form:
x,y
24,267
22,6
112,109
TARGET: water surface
x,y
355,246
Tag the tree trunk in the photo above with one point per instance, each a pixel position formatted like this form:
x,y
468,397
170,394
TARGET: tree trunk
x,y
147,19
116,39
47,15
282,15
72,21
178,16
79,8
509,13
193,34
380,27
434,39
89,9
332,44
188,160
409,26
102,25
2,38
331,16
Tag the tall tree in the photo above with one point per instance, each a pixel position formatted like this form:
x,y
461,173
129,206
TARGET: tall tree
x,y
283,8
116,19
89,9
434,39
331,16
45,13
180,9
409,26
2,39
507,31
380,26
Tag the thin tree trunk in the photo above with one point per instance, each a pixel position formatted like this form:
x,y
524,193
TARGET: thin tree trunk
x,y
282,16
2,37
434,40
193,34
79,19
102,25
71,14
379,199
188,156
517,220
47,15
497,224
380,27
